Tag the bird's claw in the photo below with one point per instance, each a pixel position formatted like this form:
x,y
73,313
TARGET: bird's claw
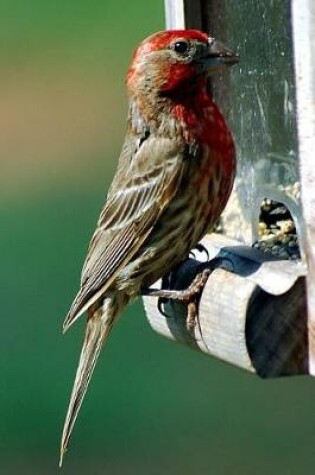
x,y
189,296
162,301
200,248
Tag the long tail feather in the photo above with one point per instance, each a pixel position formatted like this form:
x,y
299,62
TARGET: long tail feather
x,y
99,324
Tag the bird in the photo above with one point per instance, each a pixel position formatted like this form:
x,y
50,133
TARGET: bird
x,y
174,176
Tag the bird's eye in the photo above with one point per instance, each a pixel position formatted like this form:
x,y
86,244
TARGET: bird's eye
x,y
181,47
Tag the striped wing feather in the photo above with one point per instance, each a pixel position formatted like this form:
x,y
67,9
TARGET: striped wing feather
x,y
134,203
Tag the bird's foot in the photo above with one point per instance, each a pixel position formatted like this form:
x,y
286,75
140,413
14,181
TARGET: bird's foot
x,y
189,296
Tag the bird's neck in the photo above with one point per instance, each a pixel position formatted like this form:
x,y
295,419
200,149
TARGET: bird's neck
x,y
189,118
184,112
162,113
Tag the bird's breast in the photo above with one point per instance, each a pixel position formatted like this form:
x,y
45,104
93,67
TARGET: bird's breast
x,y
213,178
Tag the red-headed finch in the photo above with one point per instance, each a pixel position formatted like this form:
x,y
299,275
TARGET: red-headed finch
x,y
174,177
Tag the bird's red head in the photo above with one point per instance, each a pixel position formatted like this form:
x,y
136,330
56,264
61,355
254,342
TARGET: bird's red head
x,y
173,60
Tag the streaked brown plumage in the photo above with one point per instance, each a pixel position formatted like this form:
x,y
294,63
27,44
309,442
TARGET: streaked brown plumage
x,y
174,177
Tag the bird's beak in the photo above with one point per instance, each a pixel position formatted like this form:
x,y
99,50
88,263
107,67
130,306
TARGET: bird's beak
x,y
218,56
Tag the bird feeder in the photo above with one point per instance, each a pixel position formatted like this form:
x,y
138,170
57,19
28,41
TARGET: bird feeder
x,y
257,310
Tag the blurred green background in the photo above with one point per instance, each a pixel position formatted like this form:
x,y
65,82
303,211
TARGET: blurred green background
x,y
153,407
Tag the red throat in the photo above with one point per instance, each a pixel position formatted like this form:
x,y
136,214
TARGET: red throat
x,y
204,122
181,80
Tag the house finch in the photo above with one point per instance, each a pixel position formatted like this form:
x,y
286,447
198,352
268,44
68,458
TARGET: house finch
x,y
174,176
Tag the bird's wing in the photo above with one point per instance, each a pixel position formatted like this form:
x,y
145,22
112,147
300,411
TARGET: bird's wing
x,y
147,178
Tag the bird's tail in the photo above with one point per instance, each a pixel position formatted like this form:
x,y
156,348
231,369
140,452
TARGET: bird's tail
x,y
99,324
